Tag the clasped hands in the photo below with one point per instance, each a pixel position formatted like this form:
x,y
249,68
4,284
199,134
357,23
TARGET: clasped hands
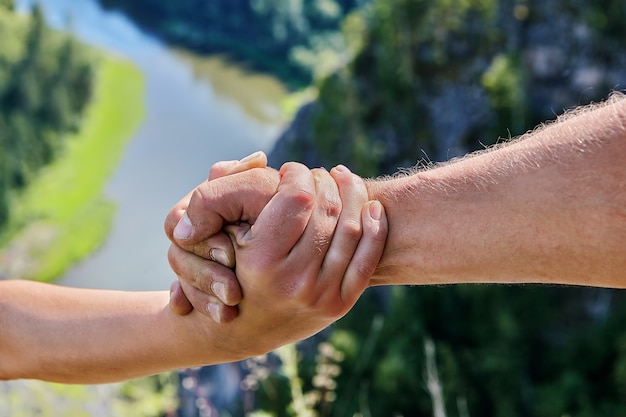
x,y
272,256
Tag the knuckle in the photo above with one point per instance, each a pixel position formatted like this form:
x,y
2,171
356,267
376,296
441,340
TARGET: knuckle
x,y
199,194
333,207
298,288
202,280
172,258
208,194
351,229
348,181
216,170
300,199
365,268
336,258
350,184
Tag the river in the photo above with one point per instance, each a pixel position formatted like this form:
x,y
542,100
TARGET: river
x,y
198,110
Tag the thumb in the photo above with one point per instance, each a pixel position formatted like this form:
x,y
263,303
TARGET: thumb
x,y
218,170
230,199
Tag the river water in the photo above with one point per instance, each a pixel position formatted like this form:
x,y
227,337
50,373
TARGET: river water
x,y
198,110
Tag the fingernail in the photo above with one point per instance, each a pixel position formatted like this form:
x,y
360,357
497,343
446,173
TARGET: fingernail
x,y
219,289
214,311
219,256
250,157
376,210
183,228
342,168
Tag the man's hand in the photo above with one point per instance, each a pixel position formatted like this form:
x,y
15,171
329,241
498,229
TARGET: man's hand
x,y
303,254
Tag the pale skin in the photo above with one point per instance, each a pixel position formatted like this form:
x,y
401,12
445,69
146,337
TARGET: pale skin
x,y
284,299
547,208
550,208
72,335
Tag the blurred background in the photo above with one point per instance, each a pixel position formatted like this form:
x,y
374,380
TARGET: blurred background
x,y
111,110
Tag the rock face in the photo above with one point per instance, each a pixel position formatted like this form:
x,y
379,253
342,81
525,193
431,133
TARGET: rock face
x,y
561,61
569,63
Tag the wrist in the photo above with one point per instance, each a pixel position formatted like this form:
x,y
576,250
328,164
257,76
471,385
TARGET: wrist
x,y
402,261
429,239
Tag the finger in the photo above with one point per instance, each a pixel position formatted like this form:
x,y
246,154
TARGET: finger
x,y
283,220
218,170
221,253
237,197
179,303
209,305
224,168
207,276
217,248
348,232
175,214
317,237
368,252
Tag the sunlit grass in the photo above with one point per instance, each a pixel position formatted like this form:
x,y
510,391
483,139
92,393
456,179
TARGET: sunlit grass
x,y
63,216
144,397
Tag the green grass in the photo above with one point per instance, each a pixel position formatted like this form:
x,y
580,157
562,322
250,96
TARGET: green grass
x,y
144,397
62,216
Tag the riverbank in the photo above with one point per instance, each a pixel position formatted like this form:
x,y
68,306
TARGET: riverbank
x,y
63,216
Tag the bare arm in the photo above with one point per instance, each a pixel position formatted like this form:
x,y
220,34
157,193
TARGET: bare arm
x,y
549,208
74,335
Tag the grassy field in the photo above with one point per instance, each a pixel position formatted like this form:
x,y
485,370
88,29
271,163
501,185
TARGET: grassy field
x,y
62,216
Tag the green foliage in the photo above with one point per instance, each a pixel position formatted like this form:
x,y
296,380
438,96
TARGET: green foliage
x,y
55,225
311,382
279,36
45,84
500,351
606,16
504,82
387,107
373,114
153,396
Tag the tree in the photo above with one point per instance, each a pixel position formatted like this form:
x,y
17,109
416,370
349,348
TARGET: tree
x,y
376,113
46,85
501,351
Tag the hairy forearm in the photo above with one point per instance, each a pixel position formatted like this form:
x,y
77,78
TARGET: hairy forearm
x,y
550,208
72,335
